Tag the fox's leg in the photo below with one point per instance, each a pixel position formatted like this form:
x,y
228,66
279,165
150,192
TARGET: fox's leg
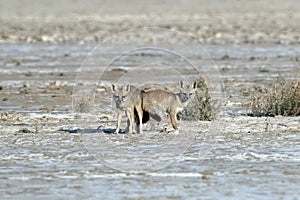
x,y
173,120
130,116
127,127
133,121
119,122
140,116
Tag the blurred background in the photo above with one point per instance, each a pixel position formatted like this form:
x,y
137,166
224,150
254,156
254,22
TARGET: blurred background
x,y
231,21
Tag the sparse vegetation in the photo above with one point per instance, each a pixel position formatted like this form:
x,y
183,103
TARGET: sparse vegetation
x,y
201,108
283,98
84,103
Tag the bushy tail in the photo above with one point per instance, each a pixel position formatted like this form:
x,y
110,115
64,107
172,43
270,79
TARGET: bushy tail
x,y
155,117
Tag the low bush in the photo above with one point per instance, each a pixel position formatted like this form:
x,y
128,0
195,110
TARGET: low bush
x,y
283,98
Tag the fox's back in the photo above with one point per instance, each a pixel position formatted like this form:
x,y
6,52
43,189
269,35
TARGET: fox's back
x,y
159,99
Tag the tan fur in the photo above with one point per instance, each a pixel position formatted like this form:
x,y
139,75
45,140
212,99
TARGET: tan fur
x,y
128,98
170,102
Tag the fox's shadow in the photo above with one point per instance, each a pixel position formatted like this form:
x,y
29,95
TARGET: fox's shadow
x,y
90,131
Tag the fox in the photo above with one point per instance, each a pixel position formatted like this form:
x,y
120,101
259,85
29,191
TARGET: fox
x,y
169,102
129,99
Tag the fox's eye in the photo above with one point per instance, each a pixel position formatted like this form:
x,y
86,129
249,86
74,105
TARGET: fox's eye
x,y
191,94
123,97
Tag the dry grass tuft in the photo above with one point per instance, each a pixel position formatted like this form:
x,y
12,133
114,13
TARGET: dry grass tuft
x,y
84,103
283,98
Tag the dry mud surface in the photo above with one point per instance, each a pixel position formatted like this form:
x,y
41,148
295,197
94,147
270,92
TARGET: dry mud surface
x,y
50,151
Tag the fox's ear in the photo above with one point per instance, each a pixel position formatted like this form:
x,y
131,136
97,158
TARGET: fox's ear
x,y
113,87
181,84
127,87
194,85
